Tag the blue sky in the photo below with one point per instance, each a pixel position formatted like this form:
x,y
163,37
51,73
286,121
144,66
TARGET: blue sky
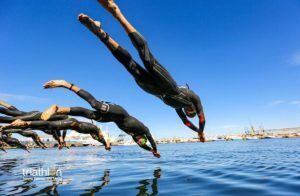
x,y
241,56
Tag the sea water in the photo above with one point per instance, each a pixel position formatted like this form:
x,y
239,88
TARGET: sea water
x,y
253,167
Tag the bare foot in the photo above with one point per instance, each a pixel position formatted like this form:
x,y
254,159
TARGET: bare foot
x,y
18,123
156,154
110,6
49,112
2,103
92,25
55,84
60,146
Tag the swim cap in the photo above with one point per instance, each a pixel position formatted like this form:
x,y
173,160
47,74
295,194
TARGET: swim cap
x,y
190,111
140,139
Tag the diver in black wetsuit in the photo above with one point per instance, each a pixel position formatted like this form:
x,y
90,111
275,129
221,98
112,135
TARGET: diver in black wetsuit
x,y
6,138
80,127
155,79
104,112
26,133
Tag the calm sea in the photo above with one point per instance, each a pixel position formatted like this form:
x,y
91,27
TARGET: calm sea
x,y
256,167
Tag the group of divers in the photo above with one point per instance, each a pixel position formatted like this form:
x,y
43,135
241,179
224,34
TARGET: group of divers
x,y
152,78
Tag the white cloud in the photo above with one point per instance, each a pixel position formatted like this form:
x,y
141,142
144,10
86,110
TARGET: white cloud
x,y
12,97
275,103
280,102
295,59
295,102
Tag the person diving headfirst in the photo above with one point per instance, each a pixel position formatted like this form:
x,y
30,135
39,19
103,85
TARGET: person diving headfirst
x,y
6,138
103,112
153,77
26,133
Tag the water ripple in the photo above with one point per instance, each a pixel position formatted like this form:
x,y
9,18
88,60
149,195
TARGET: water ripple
x,y
264,167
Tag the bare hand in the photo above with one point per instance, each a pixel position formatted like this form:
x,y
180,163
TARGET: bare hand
x,y
18,123
201,137
60,146
156,154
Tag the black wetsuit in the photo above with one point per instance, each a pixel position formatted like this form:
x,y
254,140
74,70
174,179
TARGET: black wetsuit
x,y
12,141
56,126
156,80
109,112
26,133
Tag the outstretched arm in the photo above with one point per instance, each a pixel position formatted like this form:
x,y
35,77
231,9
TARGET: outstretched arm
x,y
145,146
201,116
151,140
33,135
186,121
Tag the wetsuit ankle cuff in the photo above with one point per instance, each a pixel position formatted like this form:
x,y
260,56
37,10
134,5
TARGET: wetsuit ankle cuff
x,y
105,38
71,86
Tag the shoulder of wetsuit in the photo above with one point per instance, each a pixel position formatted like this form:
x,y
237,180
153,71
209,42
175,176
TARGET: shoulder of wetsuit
x,y
192,94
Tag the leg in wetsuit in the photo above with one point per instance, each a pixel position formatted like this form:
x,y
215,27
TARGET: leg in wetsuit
x,y
9,112
8,106
30,117
155,79
26,116
12,111
155,75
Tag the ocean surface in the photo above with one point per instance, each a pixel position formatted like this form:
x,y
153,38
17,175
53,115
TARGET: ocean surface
x,y
253,167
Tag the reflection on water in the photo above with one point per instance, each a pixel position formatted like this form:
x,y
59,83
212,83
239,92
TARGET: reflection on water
x,y
144,187
103,182
7,165
258,167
